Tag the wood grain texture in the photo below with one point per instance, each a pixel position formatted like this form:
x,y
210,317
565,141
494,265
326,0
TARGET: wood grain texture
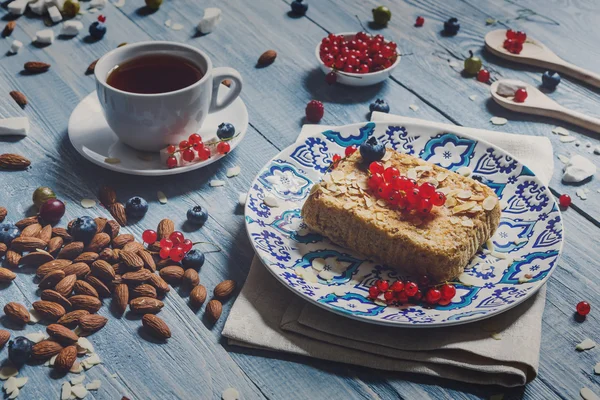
x,y
196,363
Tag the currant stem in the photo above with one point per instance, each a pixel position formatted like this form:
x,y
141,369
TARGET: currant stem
x,y
212,244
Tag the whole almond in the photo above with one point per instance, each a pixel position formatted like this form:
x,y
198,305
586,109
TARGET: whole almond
x,y
144,290
191,278
27,244
107,255
224,289
92,322
100,224
154,247
107,195
65,286
156,326
25,222
165,228
103,270
31,231
133,247
55,297
148,260
112,228
145,305
62,233
120,298
19,98
45,349
83,302
36,258
3,213
121,240
16,312
66,358
137,277
71,319
51,279
36,66
87,257
50,266
49,310
214,308
117,210
80,269
4,336
3,249
226,82
71,251
46,233
159,283
82,287
13,258
165,263
198,296
9,28
91,68
267,58
103,290
62,334
172,274
131,259
13,161
98,242
6,275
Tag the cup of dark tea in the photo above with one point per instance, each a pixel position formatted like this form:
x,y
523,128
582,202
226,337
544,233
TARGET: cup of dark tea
x,y
158,93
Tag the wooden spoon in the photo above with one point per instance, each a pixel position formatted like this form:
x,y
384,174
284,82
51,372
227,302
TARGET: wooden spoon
x,y
536,53
538,103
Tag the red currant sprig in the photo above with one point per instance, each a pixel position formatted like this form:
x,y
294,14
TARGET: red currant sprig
x,y
175,247
514,41
194,146
403,292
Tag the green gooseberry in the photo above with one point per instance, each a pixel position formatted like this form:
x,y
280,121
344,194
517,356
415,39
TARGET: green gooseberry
x,y
153,4
41,195
472,64
382,15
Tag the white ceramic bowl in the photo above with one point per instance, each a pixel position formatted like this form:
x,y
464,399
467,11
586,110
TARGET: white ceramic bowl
x,y
351,79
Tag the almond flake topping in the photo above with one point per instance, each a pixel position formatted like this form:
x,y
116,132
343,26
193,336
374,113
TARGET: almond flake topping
x,y
464,194
463,207
489,203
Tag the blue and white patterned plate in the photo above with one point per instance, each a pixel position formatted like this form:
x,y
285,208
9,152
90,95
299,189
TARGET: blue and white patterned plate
x,y
527,243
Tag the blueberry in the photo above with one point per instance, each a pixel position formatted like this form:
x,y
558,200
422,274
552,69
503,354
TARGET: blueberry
x,y
136,207
193,259
226,131
372,150
451,26
97,30
8,232
19,350
550,80
299,7
379,105
83,229
197,215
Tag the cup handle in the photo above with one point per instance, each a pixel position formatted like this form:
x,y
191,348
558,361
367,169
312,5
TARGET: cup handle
x,y
219,75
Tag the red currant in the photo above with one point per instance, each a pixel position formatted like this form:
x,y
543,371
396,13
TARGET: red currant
x,y
188,155
164,253
385,190
401,297
223,148
177,253
195,138
516,48
348,68
411,288
418,296
149,236
424,281
374,48
328,59
420,21
171,162
520,37
444,302
395,196
348,151
564,200
376,167
438,199
483,76
448,291
387,51
336,159
382,285
102,18
166,243
375,181
171,149
388,296
184,144
425,206
187,245
403,183
331,78
177,237
520,95
391,173
340,61
433,296
583,308
397,286
204,153
510,34
326,41
373,292
363,69
314,111
426,190
413,196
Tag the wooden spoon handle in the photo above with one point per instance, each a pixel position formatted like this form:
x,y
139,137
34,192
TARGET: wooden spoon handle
x,y
579,119
579,73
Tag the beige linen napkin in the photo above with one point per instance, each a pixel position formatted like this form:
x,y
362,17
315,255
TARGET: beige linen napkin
x,y
502,350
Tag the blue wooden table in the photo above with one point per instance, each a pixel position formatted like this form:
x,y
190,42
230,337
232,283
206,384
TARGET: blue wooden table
x,y
197,363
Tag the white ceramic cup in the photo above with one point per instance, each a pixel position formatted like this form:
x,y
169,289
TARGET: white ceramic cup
x,y
150,122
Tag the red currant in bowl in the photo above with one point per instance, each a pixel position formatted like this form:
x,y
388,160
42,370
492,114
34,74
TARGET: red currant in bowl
x,y
358,59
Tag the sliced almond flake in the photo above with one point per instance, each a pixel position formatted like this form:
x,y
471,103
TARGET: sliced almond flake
x,y
10,385
450,202
230,394
496,336
52,360
581,194
563,159
464,194
351,176
342,189
34,316
414,107
477,197
423,168
326,275
412,173
587,394
79,391
337,176
597,369
309,276
567,139
468,279
499,255
216,183
8,371
560,131
168,23
464,171
368,202
162,198
78,379
519,241
444,190
381,202
112,160
498,121
20,382
242,199
177,27
380,302
94,385
586,344
489,203
476,209
386,156
65,392
76,368
387,164
353,191
473,97
88,203
14,394
36,337
441,176
463,207
433,182
318,264
381,216
454,220
349,205
468,223
84,344
327,178
233,171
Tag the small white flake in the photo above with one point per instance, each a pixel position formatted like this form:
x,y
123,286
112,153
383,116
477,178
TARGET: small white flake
x,y
162,197
76,368
524,279
465,171
88,203
414,107
92,10
597,369
84,344
34,316
177,27
65,392
79,391
36,337
581,194
15,46
230,394
52,360
473,97
234,171
98,4
45,36
119,3
14,394
8,371
498,120
318,264
586,345
563,159
112,160
211,18
309,276
468,279
567,139
496,336
93,359
587,394
168,23
94,385
559,130
271,201
242,199
217,183
77,380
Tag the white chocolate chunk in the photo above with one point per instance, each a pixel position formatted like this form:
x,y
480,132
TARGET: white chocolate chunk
x,y
17,7
242,199
585,345
578,169
78,379
71,28
271,201
212,17
55,14
14,49
18,126
45,36
79,391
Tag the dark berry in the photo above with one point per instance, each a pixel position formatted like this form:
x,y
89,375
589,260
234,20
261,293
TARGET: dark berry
x,y
83,229
193,259
451,26
379,105
372,150
550,80
197,215
136,207
97,30
8,233
299,7
419,22
19,350
52,211
331,78
225,131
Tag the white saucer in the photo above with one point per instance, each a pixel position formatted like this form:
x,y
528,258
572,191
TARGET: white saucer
x,y
92,138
